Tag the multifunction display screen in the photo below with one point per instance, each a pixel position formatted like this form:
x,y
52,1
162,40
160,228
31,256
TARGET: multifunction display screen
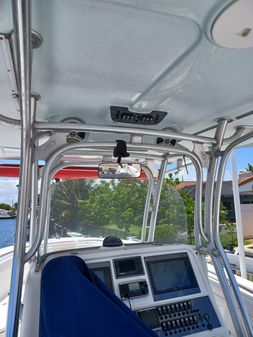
x,y
171,276
102,271
128,267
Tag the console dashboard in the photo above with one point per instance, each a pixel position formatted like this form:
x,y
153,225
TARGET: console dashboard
x,y
165,285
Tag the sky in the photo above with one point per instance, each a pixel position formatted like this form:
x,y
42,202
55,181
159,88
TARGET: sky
x,y
244,156
9,191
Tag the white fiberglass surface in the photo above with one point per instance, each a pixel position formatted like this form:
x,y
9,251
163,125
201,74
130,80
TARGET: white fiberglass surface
x,y
146,55
8,106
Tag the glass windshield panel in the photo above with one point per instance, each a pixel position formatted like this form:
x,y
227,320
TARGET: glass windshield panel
x,y
86,211
171,224
82,208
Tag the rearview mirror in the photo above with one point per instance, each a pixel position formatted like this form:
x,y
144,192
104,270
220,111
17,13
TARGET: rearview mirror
x,y
119,171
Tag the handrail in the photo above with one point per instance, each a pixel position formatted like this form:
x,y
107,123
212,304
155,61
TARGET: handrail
x,y
209,193
22,28
147,202
242,283
157,196
66,127
217,242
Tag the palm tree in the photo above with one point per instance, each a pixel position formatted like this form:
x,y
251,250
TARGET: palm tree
x,y
66,195
249,168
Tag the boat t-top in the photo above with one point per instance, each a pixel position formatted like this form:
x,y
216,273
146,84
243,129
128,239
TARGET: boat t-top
x,y
111,93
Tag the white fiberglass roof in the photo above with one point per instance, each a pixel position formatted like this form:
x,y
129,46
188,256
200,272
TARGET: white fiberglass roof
x,y
145,55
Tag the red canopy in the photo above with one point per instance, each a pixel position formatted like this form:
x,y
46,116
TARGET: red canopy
x,y
74,172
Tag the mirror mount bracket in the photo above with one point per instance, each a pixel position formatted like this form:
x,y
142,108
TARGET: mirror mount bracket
x,y
120,150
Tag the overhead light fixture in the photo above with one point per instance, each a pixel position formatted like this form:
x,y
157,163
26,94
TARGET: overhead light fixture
x,y
233,28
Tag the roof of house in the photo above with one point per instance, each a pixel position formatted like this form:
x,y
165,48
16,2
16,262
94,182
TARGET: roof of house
x,y
184,184
245,180
227,188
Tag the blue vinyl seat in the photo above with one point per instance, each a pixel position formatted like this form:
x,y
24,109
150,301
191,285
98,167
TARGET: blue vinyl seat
x,y
76,303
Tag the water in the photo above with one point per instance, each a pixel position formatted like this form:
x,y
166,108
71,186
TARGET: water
x,y
7,232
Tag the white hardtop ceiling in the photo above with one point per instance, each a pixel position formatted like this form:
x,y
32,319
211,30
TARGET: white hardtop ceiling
x,y
145,55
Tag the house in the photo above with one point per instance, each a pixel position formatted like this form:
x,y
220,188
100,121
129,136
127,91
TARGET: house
x,y
245,183
4,213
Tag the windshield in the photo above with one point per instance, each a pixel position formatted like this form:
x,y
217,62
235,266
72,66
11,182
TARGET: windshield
x,y
91,210
171,224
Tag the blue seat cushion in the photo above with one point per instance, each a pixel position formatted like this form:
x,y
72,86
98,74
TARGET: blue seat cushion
x,y
76,303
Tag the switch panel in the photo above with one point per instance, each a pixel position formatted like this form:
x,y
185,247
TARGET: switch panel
x,y
182,318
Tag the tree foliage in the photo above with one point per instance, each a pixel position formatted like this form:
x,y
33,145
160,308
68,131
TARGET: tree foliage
x,y
9,208
81,205
250,167
5,206
65,201
119,205
112,203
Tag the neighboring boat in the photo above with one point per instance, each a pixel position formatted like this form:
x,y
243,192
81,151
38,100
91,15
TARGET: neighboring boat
x,y
119,90
235,264
8,217
4,214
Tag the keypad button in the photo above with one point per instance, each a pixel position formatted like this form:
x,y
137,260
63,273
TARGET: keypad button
x,y
160,312
169,325
164,326
178,323
182,322
186,321
189,304
164,309
181,306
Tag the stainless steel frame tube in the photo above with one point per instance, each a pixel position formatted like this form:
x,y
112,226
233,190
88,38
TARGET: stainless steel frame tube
x,y
158,190
34,202
7,121
22,28
66,127
62,150
47,221
243,312
150,188
209,193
